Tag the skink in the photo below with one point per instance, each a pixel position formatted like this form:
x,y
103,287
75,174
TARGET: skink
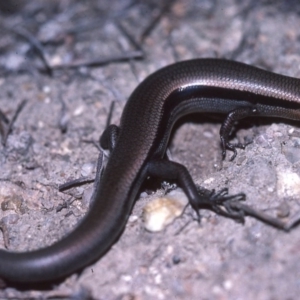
x,y
137,151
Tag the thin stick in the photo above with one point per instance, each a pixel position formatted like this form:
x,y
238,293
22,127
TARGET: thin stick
x,y
36,45
247,210
156,20
12,121
98,62
73,183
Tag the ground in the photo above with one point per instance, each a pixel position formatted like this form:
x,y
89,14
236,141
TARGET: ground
x,y
99,51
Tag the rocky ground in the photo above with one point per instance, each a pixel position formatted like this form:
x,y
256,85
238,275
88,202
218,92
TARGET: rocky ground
x,y
64,62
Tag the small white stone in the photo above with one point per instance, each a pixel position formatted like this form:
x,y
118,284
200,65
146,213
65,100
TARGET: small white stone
x,y
126,278
162,211
79,110
133,218
209,180
288,183
157,279
46,89
41,124
227,284
87,169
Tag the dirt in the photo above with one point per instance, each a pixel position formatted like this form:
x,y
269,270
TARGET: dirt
x,y
50,144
